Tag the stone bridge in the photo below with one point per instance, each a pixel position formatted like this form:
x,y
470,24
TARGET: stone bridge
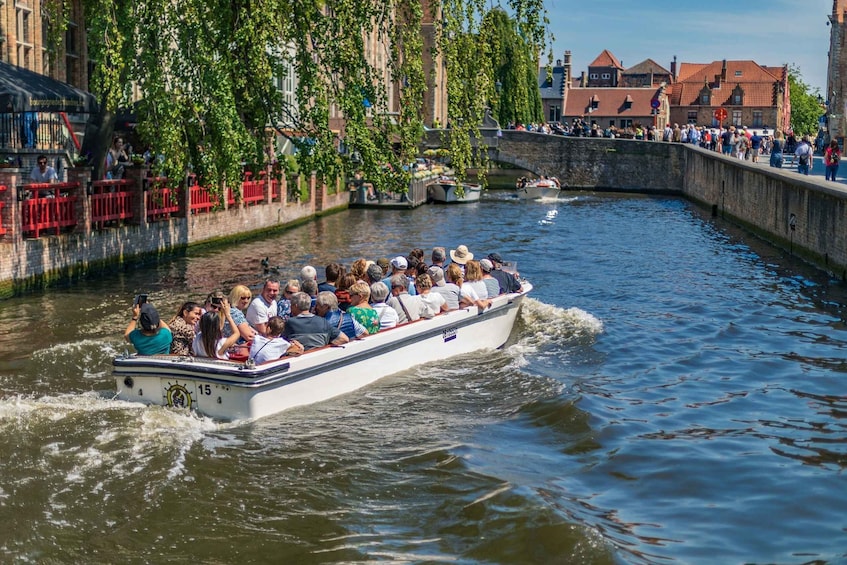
x,y
583,162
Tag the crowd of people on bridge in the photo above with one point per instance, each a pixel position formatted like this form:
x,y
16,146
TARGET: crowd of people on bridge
x,y
290,317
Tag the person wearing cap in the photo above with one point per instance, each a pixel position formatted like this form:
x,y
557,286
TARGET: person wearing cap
x,y
492,285
399,265
449,291
409,308
147,332
508,282
373,274
805,155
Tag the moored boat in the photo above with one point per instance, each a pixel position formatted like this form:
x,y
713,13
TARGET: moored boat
x,y
443,190
230,390
534,189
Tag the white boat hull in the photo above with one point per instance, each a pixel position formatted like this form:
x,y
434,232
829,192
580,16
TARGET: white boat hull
x,y
445,193
228,390
537,192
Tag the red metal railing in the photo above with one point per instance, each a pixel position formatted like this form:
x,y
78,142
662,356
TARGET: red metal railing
x,y
48,206
111,200
2,229
161,201
253,191
202,200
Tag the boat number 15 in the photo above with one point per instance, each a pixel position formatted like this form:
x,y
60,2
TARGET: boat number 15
x,y
204,389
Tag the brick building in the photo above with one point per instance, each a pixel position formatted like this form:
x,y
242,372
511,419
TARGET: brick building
x,y
752,95
836,76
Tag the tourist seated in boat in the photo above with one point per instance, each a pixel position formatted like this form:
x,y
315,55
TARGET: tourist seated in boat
x,y
333,272
388,317
182,328
342,293
358,268
467,295
460,256
473,279
308,273
310,287
508,281
210,341
283,307
263,307
307,328
360,310
449,291
274,345
399,265
147,332
213,303
239,298
438,257
492,286
373,274
327,307
434,300
409,308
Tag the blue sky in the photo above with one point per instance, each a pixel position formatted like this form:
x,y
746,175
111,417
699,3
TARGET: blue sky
x,y
769,32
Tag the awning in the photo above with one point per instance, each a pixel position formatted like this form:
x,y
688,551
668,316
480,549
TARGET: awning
x,y
22,90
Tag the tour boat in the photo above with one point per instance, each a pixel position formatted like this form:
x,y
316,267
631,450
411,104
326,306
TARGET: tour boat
x,y
236,390
534,189
443,190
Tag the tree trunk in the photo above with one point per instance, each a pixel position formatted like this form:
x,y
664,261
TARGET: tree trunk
x,y
98,140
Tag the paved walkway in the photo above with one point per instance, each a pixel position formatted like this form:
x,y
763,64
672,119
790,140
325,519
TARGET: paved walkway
x,y
818,168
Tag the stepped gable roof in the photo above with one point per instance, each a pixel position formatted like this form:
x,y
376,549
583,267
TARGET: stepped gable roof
x,y
645,67
611,101
554,90
756,81
606,59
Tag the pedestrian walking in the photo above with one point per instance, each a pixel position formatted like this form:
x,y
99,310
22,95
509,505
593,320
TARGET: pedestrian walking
x,y
831,158
776,150
805,155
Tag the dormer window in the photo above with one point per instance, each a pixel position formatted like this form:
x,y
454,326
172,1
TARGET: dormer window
x,y
595,102
737,95
705,99
738,73
627,102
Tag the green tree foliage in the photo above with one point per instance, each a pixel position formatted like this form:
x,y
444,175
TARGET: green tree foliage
x,y
516,68
206,70
805,106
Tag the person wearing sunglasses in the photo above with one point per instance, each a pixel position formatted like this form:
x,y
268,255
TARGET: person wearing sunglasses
x,y
43,173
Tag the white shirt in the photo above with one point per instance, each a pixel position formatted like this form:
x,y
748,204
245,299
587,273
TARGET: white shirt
x,y
388,317
433,300
264,349
467,291
259,311
200,351
478,286
48,175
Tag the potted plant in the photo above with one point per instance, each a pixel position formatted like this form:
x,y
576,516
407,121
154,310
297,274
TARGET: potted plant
x,y
80,161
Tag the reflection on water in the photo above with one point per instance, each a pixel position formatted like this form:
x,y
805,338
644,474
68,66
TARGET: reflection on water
x,y
671,393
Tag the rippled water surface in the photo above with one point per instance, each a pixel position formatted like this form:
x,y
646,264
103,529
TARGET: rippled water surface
x,y
674,392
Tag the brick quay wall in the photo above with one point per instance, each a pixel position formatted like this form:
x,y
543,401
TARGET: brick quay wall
x,y
796,212
35,262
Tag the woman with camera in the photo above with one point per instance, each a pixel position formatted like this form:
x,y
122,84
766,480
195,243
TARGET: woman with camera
x,y
210,341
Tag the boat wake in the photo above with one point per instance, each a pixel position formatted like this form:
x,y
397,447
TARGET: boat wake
x,y
540,325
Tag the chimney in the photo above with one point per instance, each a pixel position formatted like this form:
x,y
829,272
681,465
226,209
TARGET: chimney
x,y
558,62
673,68
567,69
723,70
582,81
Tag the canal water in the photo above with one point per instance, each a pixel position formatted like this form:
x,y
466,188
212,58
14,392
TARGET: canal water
x,y
674,392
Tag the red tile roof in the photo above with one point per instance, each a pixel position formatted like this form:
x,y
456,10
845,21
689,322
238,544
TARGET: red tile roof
x,y
611,101
756,81
606,59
